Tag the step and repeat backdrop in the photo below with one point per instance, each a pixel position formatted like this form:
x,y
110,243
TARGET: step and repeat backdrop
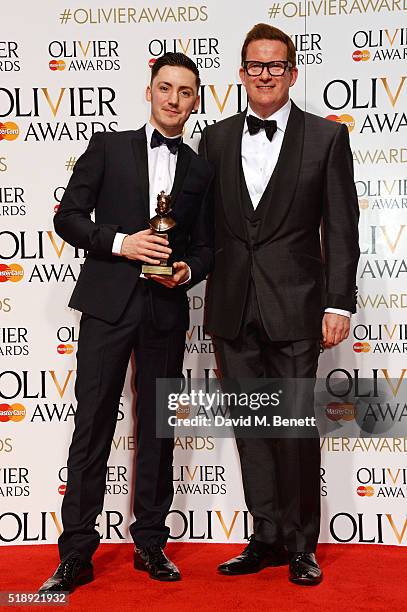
x,y
68,69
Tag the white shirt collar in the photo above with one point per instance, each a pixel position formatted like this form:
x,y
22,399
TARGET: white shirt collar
x,y
281,116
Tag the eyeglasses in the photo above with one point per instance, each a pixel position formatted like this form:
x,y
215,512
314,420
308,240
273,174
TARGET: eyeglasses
x,y
276,68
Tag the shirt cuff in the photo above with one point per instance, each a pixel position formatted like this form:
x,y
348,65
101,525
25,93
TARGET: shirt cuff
x,y
344,313
188,279
117,243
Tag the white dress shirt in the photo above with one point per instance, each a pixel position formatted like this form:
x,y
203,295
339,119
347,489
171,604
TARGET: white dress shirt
x,y
260,155
161,172
259,158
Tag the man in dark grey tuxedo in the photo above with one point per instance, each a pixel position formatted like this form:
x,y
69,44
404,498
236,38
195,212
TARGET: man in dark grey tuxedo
x,y
276,293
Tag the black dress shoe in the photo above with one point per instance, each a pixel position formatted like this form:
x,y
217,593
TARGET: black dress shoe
x,y
70,573
153,560
255,557
304,569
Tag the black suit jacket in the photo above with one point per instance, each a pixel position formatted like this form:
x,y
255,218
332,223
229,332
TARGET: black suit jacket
x,y
111,179
295,276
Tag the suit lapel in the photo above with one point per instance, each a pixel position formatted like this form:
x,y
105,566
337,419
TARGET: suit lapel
x,y
183,161
286,174
139,143
230,173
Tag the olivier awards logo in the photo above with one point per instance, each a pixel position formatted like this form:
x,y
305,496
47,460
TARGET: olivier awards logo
x,y
382,482
67,113
376,100
84,56
203,50
383,45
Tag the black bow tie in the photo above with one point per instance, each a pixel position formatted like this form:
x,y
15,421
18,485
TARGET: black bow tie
x,y
158,139
254,125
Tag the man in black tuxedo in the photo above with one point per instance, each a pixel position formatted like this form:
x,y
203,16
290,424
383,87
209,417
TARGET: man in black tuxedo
x,y
275,294
119,177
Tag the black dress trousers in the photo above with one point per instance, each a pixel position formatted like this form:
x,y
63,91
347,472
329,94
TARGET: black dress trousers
x,y
281,477
104,351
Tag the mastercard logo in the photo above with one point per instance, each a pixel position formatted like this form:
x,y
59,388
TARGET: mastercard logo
x,y
9,130
363,203
365,491
62,489
152,62
361,55
12,412
347,120
337,411
65,349
183,412
361,347
12,272
56,65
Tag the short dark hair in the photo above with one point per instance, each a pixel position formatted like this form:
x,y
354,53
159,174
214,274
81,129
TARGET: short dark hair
x,y
175,59
263,31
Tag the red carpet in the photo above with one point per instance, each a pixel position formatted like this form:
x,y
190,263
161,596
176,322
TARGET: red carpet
x,y
356,578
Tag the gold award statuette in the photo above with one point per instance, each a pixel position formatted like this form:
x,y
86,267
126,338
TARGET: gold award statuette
x,y
161,224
